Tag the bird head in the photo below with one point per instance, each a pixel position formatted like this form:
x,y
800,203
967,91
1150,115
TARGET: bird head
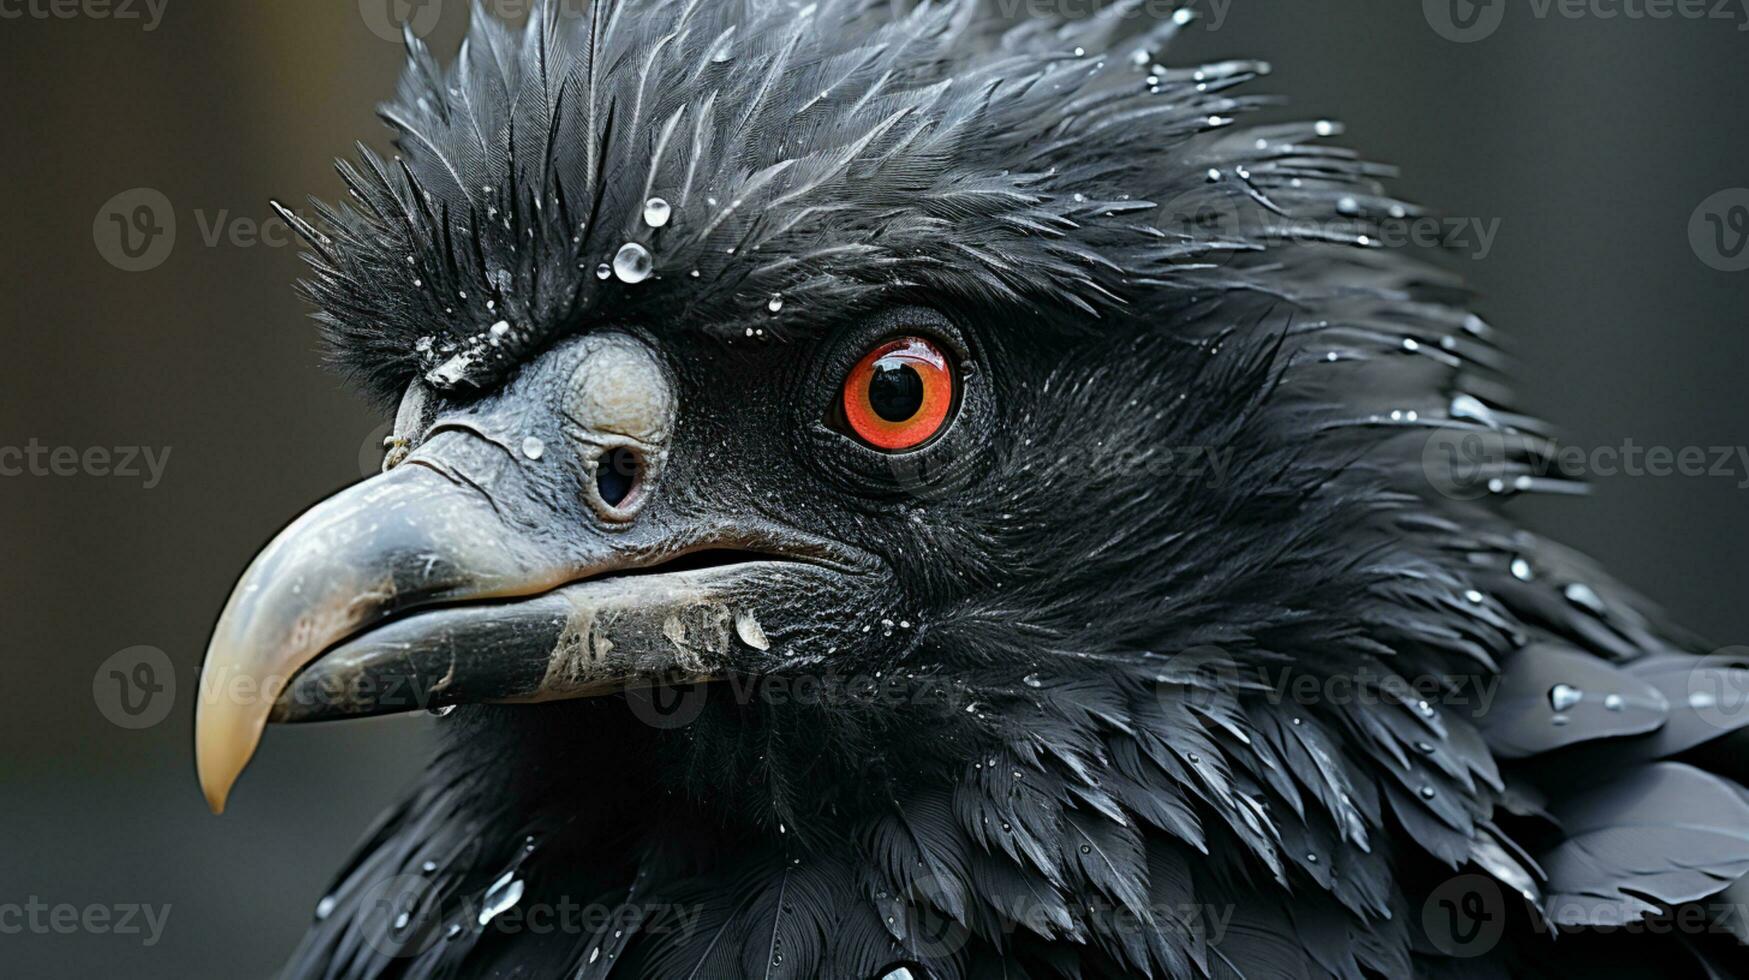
x,y
785,354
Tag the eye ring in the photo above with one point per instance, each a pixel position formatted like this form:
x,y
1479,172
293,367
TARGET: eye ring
x,y
900,395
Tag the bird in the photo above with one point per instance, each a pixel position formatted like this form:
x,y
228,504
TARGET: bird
x,y
887,492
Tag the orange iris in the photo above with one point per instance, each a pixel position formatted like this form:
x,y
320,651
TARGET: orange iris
x,y
898,396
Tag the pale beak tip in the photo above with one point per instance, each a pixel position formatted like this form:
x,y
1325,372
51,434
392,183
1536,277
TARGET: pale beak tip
x,y
225,738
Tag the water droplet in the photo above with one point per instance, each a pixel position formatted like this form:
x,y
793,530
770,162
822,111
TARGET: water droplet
x,y
504,893
442,711
1194,758
1564,696
775,304
656,212
533,448
1086,849
1348,205
1032,680
325,907
1521,570
428,867
501,328
1311,858
1581,594
1324,127
1428,792
1612,702
1425,748
603,270
1473,596
632,263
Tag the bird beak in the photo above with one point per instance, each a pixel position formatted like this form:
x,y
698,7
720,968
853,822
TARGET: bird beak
x,y
434,584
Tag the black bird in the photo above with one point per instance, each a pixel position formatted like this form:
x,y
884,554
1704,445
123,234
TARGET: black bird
x,y
894,498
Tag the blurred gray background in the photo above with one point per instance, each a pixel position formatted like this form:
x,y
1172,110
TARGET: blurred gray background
x,y
1587,143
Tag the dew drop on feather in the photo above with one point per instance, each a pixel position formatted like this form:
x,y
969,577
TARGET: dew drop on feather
x,y
632,263
656,212
504,893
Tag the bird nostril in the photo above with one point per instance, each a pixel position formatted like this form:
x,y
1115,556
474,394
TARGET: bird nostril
x,y
616,475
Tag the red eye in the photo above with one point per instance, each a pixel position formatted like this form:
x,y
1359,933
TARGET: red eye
x,y
898,396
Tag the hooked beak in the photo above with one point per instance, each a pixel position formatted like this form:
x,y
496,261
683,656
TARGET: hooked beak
x,y
462,576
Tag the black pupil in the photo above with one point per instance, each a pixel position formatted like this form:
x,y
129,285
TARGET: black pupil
x,y
896,390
